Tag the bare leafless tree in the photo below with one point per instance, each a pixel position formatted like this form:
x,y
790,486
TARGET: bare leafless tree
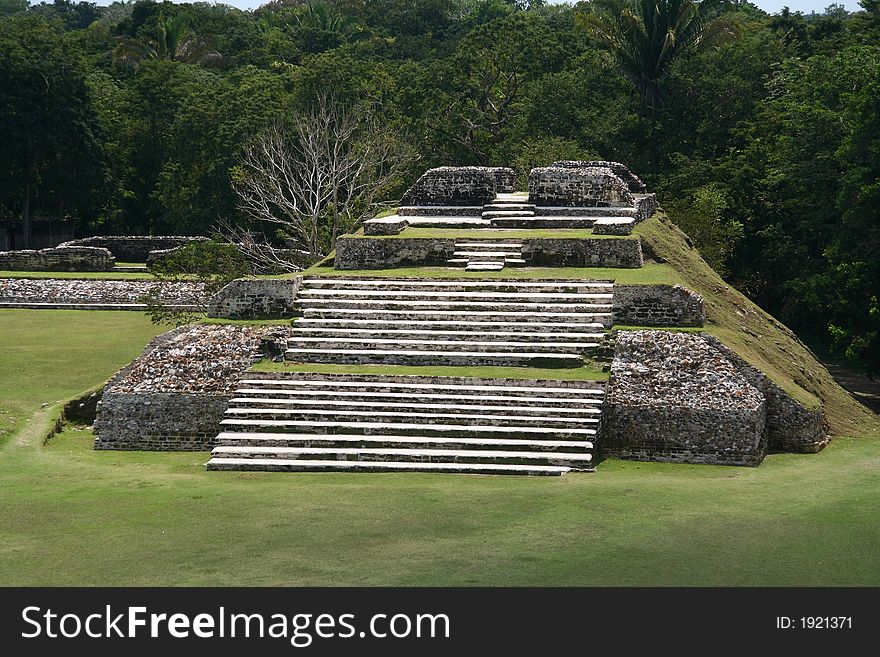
x,y
316,180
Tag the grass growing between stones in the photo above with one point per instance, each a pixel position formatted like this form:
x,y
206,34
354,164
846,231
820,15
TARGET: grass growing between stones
x,y
500,234
71,515
650,274
755,335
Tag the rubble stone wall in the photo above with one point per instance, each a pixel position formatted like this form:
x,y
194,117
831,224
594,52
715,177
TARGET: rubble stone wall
x,y
58,259
676,397
633,182
255,298
452,186
574,187
134,248
658,305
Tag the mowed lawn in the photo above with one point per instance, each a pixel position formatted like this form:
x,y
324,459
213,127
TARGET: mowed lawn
x,y
70,515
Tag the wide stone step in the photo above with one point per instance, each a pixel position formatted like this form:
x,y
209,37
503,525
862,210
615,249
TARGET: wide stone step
x,y
585,306
512,205
407,429
484,266
419,385
295,465
442,345
231,438
407,334
382,408
573,317
542,221
375,454
424,357
483,255
345,414
418,295
417,325
506,214
489,246
456,285
592,400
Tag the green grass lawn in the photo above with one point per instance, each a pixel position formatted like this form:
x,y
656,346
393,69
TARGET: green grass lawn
x,y
651,274
71,515
49,356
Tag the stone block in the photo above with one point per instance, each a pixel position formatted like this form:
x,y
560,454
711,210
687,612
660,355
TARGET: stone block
x,y
578,187
452,186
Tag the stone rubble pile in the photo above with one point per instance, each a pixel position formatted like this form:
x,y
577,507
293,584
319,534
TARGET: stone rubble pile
x,y
202,359
58,290
655,368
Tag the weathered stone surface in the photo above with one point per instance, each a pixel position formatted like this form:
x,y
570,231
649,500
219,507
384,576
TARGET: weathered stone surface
x,y
505,179
378,253
172,397
791,426
658,305
452,186
585,252
632,181
614,225
255,298
92,291
676,397
134,248
58,259
573,187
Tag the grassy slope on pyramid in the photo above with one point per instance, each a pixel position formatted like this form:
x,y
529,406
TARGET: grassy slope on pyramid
x,y
754,334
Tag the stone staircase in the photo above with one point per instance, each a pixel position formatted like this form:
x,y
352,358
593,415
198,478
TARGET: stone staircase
x,y
497,322
509,206
485,255
326,422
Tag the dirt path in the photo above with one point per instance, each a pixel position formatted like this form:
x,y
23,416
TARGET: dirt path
x,y
864,389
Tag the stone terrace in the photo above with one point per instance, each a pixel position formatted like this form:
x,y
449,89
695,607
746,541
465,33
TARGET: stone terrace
x,y
95,294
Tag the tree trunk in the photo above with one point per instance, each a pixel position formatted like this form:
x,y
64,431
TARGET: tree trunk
x,y
26,217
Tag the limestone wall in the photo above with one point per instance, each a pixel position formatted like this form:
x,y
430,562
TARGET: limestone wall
x,y
452,186
255,298
791,426
582,252
658,305
134,248
58,259
573,187
633,182
379,253
676,397
505,179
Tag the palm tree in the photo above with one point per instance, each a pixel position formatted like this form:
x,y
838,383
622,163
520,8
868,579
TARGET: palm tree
x,y
646,36
175,41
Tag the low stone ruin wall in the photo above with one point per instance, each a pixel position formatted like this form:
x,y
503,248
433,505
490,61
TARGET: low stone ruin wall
x,y
646,205
116,295
255,298
791,426
452,186
676,397
134,248
658,305
573,187
505,179
382,252
582,252
633,182
172,397
58,259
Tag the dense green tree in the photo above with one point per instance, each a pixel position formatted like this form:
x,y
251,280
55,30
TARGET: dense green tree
x,y
647,36
50,148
